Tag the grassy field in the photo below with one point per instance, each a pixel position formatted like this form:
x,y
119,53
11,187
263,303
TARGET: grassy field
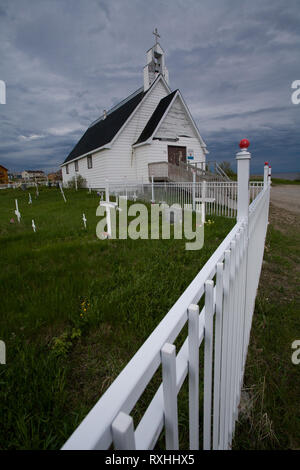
x,y
275,181
74,309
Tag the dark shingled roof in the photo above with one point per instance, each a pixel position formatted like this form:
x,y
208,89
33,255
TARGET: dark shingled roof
x,y
155,118
104,130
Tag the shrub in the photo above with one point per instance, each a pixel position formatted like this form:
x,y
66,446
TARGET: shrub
x,y
81,182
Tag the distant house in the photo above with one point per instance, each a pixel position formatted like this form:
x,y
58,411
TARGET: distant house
x,y
56,176
144,136
14,176
32,174
3,175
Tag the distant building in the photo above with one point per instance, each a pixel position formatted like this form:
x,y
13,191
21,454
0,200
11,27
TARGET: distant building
x,y
32,174
55,176
14,176
3,175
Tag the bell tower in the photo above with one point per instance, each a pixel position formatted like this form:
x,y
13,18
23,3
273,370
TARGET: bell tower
x,y
155,63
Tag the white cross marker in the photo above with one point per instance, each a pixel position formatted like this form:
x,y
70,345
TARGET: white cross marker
x,y
62,192
84,220
134,197
17,212
29,199
108,205
33,225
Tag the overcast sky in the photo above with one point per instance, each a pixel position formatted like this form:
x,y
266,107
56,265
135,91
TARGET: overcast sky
x,y
64,61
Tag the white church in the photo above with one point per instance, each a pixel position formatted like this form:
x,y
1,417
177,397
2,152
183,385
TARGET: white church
x,y
149,134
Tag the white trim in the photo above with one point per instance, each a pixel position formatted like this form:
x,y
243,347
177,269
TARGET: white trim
x,y
141,144
203,144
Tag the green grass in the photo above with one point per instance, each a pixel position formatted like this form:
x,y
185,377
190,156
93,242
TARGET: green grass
x,y
270,418
275,181
60,357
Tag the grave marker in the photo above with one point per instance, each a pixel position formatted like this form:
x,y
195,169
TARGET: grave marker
x,y
33,225
17,212
62,191
84,220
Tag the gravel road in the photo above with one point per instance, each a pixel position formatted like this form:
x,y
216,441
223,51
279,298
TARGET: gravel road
x,y
286,197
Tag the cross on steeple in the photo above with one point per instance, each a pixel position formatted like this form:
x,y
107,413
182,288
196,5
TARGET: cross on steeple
x,y
155,33
155,63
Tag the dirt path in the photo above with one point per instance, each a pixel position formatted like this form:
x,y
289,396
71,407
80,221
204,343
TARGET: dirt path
x,y
286,197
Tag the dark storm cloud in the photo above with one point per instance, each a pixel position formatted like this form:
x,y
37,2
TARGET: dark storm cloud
x,y
64,61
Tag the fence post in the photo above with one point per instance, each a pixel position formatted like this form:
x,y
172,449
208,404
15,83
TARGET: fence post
x,y
168,360
269,176
203,205
243,169
123,432
106,190
266,174
152,189
194,190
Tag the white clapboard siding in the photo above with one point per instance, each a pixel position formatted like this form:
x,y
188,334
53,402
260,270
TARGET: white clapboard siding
x,y
176,122
122,158
122,162
94,176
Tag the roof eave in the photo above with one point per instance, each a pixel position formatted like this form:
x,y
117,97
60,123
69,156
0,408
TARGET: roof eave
x,y
162,118
146,142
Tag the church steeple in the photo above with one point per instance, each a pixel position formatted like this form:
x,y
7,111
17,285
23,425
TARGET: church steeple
x,y
155,63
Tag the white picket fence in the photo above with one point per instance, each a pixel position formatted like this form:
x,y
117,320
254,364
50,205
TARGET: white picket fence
x,y
227,283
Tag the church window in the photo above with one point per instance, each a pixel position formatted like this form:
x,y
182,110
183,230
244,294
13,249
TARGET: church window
x,y
67,169
76,165
89,162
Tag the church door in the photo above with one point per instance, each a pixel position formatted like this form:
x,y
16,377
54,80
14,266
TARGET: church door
x,y
176,154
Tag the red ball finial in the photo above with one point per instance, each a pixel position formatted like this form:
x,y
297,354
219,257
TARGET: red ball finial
x,y
266,163
244,143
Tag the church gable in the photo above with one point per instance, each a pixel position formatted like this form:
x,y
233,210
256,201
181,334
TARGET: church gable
x,y
155,118
139,118
176,122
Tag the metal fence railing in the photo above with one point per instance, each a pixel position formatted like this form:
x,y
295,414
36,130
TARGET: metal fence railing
x,y
227,284
221,197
